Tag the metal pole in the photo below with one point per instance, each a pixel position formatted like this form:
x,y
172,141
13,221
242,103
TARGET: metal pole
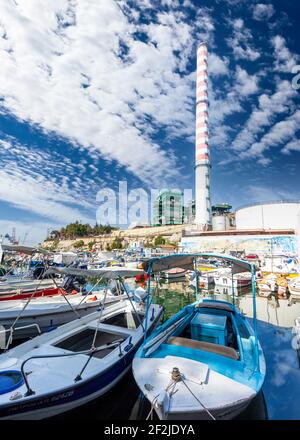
x,y
85,297
131,302
147,301
197,280
19,315
254,315
62,293
232,286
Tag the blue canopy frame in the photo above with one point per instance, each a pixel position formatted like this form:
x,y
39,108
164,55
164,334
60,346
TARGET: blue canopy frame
x,y
187,261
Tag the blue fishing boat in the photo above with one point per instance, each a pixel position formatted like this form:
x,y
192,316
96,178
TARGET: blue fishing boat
x,y
206,361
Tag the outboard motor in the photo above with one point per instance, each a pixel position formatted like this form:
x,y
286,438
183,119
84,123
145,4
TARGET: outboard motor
x,y
115,287
38,272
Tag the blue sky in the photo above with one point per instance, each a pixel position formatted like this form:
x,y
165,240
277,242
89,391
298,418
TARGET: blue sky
x,y
94,92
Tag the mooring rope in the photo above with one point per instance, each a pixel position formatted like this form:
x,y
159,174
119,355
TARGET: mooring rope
x,y
176,377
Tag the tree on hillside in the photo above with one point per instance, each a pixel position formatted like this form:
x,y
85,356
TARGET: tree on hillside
x,y
77,229
78,244
91,244
159,240
117,243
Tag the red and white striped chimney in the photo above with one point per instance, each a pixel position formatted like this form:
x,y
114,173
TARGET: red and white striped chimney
x,y
202,188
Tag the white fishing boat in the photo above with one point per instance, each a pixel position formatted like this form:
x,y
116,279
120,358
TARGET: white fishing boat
x,y
99,264
267,284
294,289
15,285
76,363
205,362
173,274
225,277
23,286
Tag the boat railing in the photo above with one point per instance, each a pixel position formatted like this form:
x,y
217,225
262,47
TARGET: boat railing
x,y
12,329
91,352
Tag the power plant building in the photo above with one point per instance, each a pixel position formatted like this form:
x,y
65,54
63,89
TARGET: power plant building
x,y
168,208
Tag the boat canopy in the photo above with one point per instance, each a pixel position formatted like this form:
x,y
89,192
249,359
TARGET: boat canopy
x,y
23,249
105,272
186,261
159,264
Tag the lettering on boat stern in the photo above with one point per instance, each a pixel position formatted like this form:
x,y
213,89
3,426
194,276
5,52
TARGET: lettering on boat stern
x,y
157,429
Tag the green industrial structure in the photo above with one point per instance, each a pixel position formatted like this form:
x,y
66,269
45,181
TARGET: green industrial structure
x,y
168,209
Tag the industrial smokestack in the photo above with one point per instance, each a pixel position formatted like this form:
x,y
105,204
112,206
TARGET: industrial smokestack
x,y
202,187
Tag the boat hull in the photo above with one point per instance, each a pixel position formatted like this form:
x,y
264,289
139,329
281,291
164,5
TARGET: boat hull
x,y
23,294
224,413
221,397
49,316
68,399
81,392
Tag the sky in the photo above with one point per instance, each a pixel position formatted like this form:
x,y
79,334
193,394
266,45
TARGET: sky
x,y
94,92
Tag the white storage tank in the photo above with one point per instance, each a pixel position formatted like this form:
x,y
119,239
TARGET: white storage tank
x,y
270,215
220,216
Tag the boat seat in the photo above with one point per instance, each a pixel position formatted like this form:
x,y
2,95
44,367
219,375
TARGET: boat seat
x,y
214,305
206,346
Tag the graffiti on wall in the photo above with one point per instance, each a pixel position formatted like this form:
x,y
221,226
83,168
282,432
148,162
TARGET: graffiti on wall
x,y
264,244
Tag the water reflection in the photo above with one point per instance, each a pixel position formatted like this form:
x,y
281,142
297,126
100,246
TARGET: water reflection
x,y
270,309
276,317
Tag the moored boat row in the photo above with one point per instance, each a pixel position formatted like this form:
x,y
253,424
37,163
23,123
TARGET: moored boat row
x,y
205,362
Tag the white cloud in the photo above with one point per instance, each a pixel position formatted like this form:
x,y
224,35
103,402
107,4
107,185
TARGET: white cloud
x,y
279,133
217,65
285,60
44,185
41,197
76,68
245,84
261,192
293,145
263,12
241,41
264,115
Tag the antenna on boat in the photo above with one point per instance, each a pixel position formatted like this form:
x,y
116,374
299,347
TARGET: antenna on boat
x,y
254,315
